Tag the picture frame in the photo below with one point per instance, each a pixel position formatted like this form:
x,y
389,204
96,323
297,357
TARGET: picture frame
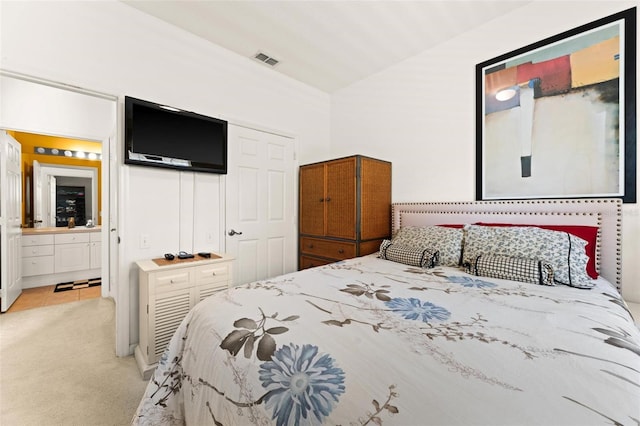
x,y
557,118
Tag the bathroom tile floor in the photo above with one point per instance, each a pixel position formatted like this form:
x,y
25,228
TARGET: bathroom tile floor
x,y
44,296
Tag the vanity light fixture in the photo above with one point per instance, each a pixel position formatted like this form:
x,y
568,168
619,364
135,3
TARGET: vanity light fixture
x,y
68,153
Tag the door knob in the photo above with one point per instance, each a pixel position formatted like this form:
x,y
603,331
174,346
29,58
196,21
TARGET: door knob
x,y
234,232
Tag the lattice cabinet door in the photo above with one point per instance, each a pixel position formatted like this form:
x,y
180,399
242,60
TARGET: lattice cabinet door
x,y
312,195
340,202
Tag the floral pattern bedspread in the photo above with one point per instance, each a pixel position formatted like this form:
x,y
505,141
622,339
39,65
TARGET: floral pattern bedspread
x,y
371,342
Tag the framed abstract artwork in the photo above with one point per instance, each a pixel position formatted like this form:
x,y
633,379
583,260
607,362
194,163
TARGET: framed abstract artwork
x,y
557,118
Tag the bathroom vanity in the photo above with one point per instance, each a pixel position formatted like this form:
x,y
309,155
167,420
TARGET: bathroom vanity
x,y
54,255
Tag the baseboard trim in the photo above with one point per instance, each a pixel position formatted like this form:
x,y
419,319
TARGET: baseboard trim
x,y
145,369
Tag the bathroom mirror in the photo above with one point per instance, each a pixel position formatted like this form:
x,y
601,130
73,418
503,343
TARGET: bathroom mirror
x,y
60,179
64,192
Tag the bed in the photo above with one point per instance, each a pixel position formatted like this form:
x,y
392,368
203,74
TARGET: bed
x,y
419,334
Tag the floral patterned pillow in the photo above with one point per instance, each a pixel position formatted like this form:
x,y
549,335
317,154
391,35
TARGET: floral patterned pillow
x,y
564,251
447,241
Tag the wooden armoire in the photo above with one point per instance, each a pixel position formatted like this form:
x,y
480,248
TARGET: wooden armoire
x,y
345,209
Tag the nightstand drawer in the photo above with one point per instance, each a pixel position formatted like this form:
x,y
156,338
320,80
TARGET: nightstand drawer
x,y
338,250
173,279
212,273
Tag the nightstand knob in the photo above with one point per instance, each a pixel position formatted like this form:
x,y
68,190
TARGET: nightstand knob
x,y
310,245
341,251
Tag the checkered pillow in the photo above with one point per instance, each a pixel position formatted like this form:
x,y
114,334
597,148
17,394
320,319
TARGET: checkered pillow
x,y
513,268
424,258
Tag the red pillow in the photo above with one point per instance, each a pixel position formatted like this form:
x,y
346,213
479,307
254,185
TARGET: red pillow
x,y
587,233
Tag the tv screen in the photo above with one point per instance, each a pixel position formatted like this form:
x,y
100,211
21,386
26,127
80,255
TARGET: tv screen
x,y
162,136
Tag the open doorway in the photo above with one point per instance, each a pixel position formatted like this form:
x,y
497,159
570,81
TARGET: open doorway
x,y
61,185
43,107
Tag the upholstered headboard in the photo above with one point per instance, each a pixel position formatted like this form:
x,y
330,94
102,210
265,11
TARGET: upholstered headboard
x,y
606,214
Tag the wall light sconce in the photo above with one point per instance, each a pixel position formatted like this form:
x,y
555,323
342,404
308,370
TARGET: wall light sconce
x,y
94,156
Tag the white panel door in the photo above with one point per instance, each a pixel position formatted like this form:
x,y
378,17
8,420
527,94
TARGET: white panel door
x,y
10,220
261,213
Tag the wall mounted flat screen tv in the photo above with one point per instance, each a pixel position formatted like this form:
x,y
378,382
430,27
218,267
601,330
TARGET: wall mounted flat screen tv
x,y
162,136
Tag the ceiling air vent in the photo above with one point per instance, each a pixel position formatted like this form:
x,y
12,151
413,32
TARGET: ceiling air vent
x,y
266,59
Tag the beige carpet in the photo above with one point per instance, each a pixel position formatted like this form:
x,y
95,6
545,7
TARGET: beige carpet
x,y
58,367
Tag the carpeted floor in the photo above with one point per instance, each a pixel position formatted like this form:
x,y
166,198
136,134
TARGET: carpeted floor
x,y
58,367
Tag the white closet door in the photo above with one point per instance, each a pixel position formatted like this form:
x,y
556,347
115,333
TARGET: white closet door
x,y
260,200
10,220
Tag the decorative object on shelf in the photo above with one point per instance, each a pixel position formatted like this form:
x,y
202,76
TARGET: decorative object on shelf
x,y
557,118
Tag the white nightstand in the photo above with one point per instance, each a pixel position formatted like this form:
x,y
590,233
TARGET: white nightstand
x,y
168,290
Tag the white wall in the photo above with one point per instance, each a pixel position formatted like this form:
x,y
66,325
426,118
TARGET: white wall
x,y
109,47
420,114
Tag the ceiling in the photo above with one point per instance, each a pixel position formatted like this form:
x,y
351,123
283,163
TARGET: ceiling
x,y
327,44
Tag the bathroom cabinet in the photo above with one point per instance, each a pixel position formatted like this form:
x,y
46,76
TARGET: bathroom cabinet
x,y
54,255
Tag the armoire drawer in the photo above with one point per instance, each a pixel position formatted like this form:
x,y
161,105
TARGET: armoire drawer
x,y
338,250
311,262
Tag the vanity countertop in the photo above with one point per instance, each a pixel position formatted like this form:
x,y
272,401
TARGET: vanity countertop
x,y
59,230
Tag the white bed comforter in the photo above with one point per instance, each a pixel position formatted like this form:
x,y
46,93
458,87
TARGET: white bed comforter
x,y
369,341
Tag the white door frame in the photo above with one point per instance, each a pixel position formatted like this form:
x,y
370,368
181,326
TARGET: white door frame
x,y
109,148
